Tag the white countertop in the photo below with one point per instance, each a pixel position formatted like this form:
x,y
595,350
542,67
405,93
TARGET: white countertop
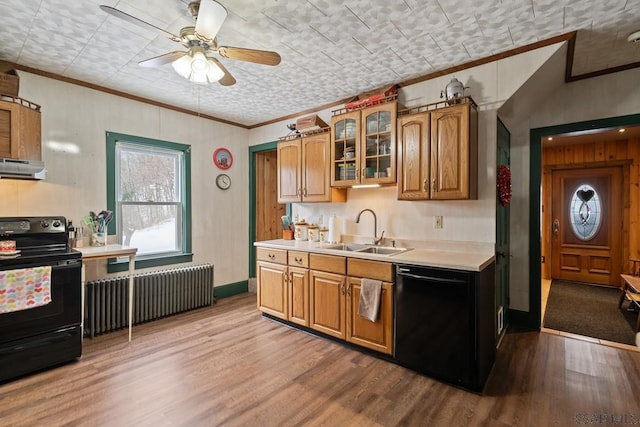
x,y
106,251
443,256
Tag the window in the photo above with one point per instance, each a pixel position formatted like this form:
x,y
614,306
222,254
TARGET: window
x,y
149,194
584,212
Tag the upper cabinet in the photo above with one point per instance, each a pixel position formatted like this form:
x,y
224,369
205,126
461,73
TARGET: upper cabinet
x,y
438,152
363,148
20,132
303,169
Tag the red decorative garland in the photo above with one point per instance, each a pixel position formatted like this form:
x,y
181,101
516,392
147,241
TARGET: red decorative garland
x,y
504,184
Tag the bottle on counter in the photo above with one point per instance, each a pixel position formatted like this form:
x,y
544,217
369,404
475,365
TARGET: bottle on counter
x,y
72,238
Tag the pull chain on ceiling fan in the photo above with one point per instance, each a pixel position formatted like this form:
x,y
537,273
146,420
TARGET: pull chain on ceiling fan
x,y
196,64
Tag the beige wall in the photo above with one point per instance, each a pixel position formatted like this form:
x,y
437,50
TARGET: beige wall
x,y
76,178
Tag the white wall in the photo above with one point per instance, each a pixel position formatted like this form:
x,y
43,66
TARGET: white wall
x,y
490,85
76,181
611,95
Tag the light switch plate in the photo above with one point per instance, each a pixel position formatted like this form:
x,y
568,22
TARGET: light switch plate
x,y
438,222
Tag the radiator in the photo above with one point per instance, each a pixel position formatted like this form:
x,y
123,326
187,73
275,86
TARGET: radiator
x,y
155,295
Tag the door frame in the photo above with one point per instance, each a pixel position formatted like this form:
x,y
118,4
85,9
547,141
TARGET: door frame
x,y
253,151
531,319
503,213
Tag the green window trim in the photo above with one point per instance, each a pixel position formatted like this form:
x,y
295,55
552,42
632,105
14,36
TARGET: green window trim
x,y
150,261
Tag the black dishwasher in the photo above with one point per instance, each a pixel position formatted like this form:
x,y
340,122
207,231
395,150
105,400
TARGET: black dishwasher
x,y
444,323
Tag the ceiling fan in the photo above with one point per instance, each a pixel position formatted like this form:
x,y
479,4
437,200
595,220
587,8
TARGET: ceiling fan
x,y
196,64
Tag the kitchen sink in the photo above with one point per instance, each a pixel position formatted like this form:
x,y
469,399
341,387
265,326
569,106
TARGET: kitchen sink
x,y
351,247
382,250
359,247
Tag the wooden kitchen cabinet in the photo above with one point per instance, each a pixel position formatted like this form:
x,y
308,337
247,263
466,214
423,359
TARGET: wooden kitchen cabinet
x,y
303,169
363,148
273,295
438,152
298,287
327,282
20,129
376,335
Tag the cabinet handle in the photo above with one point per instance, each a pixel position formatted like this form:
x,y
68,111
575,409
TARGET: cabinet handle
x,y
298,192
342,288
272,256
304,192
291,277
424,185
433,182
298,260
285,279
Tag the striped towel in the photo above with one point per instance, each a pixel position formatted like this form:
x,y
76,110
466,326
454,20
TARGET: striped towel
x,y
24,288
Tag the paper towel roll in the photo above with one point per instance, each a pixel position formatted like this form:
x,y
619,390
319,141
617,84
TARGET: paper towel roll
x,y
334,230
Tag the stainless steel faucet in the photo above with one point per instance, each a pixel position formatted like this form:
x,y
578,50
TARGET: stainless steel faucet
x,y
376,240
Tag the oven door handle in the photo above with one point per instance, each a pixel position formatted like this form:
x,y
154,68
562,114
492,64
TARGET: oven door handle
x,y
75,263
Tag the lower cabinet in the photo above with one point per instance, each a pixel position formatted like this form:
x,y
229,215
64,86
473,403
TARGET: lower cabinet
x,y
322,292
376,335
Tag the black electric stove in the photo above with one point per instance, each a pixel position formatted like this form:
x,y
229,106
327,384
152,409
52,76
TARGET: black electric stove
x,y
37,338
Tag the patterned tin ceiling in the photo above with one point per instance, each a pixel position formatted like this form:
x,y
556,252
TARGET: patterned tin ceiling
x,y
331,49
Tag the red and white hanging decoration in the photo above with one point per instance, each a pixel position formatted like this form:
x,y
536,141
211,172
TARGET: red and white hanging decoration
x,y
504,185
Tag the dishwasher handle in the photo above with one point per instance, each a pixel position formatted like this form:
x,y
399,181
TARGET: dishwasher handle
x,y
403,273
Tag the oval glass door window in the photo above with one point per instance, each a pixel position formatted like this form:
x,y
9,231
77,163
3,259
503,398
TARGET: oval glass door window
x,y
585,212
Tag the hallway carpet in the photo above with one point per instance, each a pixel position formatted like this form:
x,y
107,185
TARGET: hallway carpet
x,y
589,310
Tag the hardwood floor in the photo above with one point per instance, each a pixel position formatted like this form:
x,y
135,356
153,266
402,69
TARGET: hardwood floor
x,y
227,365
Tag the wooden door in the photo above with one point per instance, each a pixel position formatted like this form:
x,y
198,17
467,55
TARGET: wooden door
x,y
327,311
413,157
450,153
272,289
376,335
268,212
289,174
299,295
587,220
316,180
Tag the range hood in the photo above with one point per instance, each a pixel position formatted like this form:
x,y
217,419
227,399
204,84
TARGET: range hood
x,y
22,169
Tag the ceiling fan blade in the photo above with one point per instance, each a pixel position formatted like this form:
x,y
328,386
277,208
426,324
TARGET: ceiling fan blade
x,y
228,79
265,57
132,19
211,15
158,61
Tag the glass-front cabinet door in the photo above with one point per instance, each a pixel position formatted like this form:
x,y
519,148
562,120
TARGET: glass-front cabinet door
x,y
379,144
364,146
345,129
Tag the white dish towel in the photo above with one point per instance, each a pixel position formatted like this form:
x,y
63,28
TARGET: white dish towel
x,y
369,304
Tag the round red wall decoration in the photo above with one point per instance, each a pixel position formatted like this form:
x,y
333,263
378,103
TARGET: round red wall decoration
x,y
222,158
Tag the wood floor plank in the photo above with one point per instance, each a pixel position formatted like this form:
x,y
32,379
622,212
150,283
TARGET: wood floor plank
x,y
227,365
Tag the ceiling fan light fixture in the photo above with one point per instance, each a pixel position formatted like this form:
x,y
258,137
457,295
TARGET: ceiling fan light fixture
x,y
634,37
215,73
199,62
182,66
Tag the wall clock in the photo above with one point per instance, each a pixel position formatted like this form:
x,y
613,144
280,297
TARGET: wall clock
x,y
222,158
223,181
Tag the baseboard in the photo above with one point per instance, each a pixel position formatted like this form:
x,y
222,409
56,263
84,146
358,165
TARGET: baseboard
x,y
523,319
231,289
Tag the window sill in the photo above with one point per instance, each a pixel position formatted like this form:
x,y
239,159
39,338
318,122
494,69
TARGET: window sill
x,y
114,265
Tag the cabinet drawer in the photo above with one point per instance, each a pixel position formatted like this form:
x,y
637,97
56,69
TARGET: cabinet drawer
x,y
278,256
299,259
370,269
329,263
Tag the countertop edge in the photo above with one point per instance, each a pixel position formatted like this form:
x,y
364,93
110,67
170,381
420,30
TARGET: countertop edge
x,y
457,260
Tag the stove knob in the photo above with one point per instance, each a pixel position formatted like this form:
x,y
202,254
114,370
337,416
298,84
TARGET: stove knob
x,y
44,224
56,223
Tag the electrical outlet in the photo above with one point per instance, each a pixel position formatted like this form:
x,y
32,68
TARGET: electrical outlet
x,y
438,222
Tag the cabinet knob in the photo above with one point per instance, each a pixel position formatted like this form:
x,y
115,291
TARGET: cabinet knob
x,y
304,192
424,185
298,260
272,256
